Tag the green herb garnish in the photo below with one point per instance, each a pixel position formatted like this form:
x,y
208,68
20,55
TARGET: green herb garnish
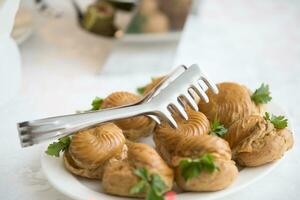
x,y
141,90
152,184
261,95
278,121
55,148
96,103
218,129
193,167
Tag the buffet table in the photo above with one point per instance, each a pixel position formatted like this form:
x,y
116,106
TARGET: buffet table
x,y
244,41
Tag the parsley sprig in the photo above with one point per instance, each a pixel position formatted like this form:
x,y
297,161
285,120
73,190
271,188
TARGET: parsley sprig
x,y
193,167
218,129
278,121
61,145
152,184
262,94
97,103
141,90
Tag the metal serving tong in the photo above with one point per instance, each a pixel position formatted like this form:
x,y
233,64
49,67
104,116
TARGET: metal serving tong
x,y
168,97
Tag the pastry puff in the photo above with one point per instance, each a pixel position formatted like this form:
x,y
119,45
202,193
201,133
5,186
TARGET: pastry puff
x,y
91,149
154,82
255,141
166,137
193,147
118,177
232,103
135,127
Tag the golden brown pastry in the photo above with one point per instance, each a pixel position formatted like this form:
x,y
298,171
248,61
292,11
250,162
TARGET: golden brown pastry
x,y
232,103
135,127
193,147
91,149
191,141
75,169
118,177
166,137
255,141
154,82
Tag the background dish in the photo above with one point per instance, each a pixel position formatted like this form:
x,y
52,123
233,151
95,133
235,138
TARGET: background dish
x,y
80,188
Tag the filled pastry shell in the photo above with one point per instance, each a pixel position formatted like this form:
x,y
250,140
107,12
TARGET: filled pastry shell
x,y
255,141
193,147
91,149
232,103
166,137
154,83
118,177
135,127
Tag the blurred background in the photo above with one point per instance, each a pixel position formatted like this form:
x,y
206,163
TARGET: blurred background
x,y
74,45
66,52
101,34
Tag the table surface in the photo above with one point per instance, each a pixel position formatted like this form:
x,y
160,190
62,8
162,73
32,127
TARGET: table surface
x,y
245,41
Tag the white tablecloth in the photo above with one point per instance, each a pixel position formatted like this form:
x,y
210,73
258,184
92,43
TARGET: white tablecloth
x,y
245,41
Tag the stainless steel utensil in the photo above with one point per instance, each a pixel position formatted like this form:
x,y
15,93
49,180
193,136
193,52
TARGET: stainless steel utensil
x,y
167,98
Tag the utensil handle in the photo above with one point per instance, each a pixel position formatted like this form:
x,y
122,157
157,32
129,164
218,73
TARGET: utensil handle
x,y
55,127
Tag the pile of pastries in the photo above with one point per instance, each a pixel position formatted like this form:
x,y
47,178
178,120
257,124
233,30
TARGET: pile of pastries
x,y
192,157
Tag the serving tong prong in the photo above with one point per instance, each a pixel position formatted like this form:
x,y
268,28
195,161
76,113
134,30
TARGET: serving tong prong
x,y
162,103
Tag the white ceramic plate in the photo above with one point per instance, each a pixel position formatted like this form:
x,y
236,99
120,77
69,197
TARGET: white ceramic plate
x,y
83,189
23,26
